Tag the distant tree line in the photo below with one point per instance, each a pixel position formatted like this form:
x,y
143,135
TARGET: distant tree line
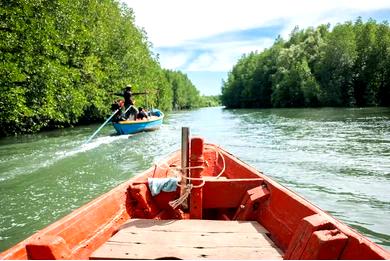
x,y
347,66
211,101
61,60
184,93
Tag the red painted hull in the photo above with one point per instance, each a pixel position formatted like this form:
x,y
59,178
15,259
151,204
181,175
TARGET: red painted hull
x,y
298,228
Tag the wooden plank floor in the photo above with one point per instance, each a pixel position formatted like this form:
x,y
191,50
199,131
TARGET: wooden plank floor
x,y
189,239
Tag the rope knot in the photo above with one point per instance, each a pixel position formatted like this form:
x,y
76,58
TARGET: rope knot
x,y
177,202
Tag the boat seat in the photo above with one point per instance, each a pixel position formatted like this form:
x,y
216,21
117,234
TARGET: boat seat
x,y
189,239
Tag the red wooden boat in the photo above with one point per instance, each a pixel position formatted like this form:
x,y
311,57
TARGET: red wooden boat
x,y
223,209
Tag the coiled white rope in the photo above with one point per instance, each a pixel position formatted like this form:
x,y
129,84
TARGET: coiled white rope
x,y
177,202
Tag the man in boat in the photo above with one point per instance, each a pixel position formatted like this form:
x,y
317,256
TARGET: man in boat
x,y
117,106
142,114
128,97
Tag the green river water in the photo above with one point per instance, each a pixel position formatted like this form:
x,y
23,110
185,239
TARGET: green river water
x,y
339,159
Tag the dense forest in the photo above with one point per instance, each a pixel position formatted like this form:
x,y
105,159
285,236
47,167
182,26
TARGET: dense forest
x,y
211,101
62,60
185,94
347,66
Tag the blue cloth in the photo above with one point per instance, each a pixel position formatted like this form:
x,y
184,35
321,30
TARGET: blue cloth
x,y
164,184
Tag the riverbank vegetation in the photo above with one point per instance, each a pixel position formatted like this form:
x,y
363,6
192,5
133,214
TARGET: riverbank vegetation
x,y
347,66
211,101
185,95
62,60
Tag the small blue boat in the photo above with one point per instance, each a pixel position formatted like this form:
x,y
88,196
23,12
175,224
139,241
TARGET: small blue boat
x,y
129,127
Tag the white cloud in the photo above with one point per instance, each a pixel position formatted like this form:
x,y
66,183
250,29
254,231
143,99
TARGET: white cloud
x,y
181,29
221,56
173,22
173,60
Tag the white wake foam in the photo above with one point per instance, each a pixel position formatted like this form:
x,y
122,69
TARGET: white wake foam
x,y
55,157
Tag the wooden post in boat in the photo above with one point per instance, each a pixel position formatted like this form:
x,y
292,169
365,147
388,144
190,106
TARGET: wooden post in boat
x,y
185,144
196,197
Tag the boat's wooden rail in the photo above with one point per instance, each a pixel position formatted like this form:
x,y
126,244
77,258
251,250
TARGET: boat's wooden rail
x,y
150,119
79,233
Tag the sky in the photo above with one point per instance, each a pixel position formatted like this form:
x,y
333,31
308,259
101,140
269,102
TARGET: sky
x,y
205,38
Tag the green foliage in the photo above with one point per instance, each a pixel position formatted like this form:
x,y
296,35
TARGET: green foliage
x,y
210,101
249,84
185,95
335,69
61,60
348,66
382,74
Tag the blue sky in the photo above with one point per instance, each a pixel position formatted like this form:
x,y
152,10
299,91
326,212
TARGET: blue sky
x,y
204,38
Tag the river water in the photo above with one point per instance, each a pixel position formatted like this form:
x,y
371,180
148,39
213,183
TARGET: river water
x,y
339,159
